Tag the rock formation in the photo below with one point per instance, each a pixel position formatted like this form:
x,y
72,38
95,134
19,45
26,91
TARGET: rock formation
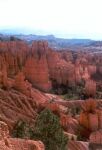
x,y
15,106
76,145
21,85
89,115
96,137
69,124
44,67
90,118
90,88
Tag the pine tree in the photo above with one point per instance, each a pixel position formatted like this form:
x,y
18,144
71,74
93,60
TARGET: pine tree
x,y
21,130
49,131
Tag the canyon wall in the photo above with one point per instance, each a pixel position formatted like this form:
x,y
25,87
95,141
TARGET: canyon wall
x,y
44,67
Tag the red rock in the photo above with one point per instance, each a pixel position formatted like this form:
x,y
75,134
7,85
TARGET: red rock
x,y
90,118
89,105
96,137
89,113
54,107
15,106
69,124
91,69
90,88
100,118
13,54
60,71
24,67
78,145
7,143
26,144
36,67
81,69
87,119
41,65
21,85
36,71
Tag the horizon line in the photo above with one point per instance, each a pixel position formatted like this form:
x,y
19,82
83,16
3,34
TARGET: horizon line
x,y
41,32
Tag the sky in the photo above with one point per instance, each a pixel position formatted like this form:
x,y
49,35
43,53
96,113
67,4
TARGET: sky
x,y
63,18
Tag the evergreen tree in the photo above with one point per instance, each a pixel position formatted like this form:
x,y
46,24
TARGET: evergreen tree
x,y
49,131
21,130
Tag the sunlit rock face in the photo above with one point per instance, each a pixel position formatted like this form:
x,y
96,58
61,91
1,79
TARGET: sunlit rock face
x,y
90,88
13,55
89,115
17,56
61,71
96,137
44,67
36,68
75,145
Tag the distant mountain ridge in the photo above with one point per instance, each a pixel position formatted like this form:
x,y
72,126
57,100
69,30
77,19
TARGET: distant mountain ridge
x,y
54,42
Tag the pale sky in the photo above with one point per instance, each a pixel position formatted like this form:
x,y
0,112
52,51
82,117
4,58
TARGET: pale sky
x,y
66,18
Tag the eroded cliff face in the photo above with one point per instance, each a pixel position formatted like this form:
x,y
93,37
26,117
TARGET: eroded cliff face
x,y
42,66
36,67
15,106
13,55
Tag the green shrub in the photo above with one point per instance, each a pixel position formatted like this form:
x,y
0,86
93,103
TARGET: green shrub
x,y
21,130
49,131
47,128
